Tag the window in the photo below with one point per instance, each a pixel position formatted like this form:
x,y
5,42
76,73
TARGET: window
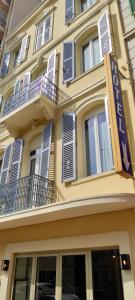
x,y
16,56
85,4
91,54
54,277
44,32
98,147
73,8
35,162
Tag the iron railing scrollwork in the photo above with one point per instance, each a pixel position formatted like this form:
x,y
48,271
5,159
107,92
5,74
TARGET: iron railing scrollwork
x,y
41,85
26,193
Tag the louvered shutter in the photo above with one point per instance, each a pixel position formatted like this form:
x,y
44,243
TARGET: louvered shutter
x,y
6,165
69,147
24,93
17,86
26,79
16,160
50,87
51,67
23,50
45,150
69,10
104,33
48,29
110,148
68,61
5,64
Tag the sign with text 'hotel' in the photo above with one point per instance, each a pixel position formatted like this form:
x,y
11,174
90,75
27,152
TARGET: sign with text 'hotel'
x,y
122,159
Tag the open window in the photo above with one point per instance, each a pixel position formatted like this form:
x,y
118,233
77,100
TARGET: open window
x,y
44,32
98,151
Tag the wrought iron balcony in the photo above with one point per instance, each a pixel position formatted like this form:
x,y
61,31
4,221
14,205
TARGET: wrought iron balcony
x,y
35,102
39,86
26,193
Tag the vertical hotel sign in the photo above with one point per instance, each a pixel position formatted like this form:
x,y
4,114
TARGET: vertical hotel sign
x,y
122,158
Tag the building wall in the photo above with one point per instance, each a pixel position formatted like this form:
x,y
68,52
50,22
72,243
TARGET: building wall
x,y
128,20
101,205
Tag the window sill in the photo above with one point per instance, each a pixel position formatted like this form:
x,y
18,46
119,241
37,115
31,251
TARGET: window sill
x,y
93,177
85,73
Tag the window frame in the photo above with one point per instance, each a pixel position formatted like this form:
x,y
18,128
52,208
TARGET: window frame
x,y
89,42
58,255
43,21
36,156
93,114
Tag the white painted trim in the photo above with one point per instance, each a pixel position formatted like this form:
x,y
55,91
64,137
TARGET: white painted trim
x,y
113,239
69,209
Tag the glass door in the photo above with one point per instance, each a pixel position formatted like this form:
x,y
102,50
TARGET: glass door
x,y
35,162
22,278
45,278
107,281
73,277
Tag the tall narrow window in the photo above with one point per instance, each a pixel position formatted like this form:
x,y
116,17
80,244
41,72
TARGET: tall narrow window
x,y
91,55
22,279
73,285
44,31
98,148
45,278
35,162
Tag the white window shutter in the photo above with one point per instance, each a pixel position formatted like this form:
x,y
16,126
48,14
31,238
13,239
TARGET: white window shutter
x,y
6,165
69,147
5,64
17,86
26,79
16,160
104,33
23,49
50,89
69,10
45,150
51,65
68,62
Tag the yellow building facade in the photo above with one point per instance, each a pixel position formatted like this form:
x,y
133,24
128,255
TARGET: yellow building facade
x,y
67,140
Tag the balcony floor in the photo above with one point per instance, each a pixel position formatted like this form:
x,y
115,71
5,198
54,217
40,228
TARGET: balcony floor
x,y
39,109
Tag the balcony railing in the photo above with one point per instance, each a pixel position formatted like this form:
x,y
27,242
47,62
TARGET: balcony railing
x,y
42,85
26,193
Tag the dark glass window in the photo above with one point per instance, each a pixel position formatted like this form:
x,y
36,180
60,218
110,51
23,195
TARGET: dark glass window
x,y
22,279
73,277
45,278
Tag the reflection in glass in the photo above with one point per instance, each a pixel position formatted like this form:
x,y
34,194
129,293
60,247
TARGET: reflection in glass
x,y
22,280
73,277
90,147
105,147
45,278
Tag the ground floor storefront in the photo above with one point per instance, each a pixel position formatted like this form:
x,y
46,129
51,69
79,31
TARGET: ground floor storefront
x,y
72,259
